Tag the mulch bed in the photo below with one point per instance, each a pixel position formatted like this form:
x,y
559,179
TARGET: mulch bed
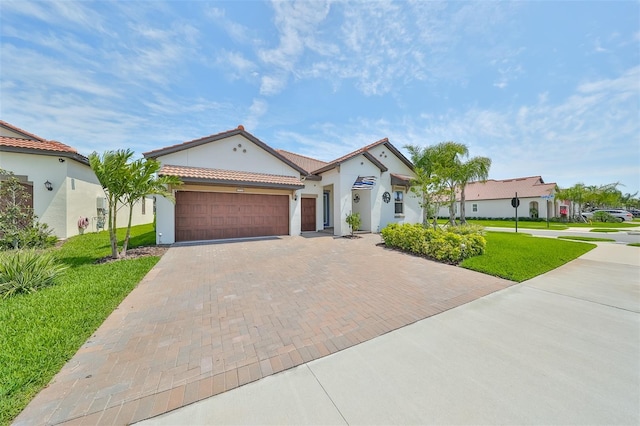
x,y
136,252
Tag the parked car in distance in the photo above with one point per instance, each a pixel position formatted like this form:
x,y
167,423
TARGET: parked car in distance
x,y
622,215
635,212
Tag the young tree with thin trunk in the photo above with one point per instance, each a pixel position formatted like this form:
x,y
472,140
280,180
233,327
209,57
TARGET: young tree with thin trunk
x,y
142,181
111,169
125,183
476,169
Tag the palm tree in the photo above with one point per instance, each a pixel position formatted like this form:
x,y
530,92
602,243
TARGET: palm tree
x,y
111,170
477,168
426,185
142,181
448,168
124,183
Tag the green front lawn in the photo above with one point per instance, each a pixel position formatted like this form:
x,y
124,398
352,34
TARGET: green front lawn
x,y
520,257
578,238
557,226
39,332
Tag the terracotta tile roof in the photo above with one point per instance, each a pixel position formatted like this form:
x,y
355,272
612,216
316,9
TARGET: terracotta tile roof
x,y
307,163
230,176
40,145
532,186
19,130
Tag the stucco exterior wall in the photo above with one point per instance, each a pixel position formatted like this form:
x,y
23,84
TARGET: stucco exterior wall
x,y
233,153
75,192
500,208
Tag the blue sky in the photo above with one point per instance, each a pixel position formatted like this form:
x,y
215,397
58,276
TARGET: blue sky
x,y
542,88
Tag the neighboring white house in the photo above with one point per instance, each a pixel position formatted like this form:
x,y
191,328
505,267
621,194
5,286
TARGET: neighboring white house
x,y
62,185
492,199
237,186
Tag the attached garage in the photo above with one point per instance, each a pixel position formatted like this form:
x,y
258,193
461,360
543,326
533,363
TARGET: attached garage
x,y
219,215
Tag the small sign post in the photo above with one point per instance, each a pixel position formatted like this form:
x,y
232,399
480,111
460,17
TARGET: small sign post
x,y
515,202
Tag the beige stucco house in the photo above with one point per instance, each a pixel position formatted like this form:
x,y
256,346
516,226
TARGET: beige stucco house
x,y
237,186
63,186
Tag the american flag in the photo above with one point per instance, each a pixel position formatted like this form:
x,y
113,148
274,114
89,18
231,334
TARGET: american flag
x,y
364,182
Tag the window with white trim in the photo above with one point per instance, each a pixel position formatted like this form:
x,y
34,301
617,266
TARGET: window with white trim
x,y
475,207
398,198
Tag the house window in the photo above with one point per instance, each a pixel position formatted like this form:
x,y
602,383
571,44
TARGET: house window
x,y
475,207
144,205
398,197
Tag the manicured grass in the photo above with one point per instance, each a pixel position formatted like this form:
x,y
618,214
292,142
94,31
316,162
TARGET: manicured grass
x,y
604,230
578,238
520,257
512,224
552,225
634,244
39,332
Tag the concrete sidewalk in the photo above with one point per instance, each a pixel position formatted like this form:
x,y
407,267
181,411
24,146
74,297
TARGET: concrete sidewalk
x,y
562,348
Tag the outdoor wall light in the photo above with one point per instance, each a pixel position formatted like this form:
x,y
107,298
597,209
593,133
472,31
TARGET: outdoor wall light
x,y
48,185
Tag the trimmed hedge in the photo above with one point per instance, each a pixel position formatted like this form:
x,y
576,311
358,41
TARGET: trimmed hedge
x,y
451,245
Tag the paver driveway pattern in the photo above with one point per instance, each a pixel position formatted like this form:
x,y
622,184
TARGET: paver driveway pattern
x,y
209,318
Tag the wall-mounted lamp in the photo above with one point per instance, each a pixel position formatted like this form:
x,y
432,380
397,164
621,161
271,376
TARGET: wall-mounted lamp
x,y
48,185
61,160
295,197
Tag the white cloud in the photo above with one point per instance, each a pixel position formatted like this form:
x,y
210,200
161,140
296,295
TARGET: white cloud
x,y
257,109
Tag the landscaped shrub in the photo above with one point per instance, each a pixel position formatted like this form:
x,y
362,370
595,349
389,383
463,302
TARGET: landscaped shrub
x,y
604,217
451,245
354,222
26,271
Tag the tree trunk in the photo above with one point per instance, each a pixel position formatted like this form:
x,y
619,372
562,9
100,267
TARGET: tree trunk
x,y
425,210
113,213
463,220
452,213
125,244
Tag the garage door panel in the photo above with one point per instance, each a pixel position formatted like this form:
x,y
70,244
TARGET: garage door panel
x,y
213,215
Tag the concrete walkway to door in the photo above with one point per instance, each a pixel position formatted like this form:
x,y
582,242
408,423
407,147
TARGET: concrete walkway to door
x,y
212,317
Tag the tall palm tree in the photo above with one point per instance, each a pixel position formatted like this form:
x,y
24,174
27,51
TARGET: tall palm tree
x,y
476,169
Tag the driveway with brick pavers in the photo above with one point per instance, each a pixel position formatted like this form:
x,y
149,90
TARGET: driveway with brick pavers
x,y
211,317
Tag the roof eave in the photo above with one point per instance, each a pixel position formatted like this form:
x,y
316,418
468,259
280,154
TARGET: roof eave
x,y
249,184
71,155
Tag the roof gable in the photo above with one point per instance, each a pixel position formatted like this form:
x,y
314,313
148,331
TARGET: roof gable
x,y
223,135
365,151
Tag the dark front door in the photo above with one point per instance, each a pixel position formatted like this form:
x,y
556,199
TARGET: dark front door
x,y
309,214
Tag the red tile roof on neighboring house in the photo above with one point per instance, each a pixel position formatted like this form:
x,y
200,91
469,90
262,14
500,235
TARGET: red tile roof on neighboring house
x,y
527,187
42,145
19,130
200,174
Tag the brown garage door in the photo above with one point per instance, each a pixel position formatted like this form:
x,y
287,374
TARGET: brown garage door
x,y
216,215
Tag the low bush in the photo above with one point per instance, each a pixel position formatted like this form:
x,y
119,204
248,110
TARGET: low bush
x,y
450,245
26,271
604,217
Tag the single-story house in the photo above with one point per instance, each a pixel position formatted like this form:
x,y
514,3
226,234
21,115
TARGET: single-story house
x,y
62,185
235,186
492,198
